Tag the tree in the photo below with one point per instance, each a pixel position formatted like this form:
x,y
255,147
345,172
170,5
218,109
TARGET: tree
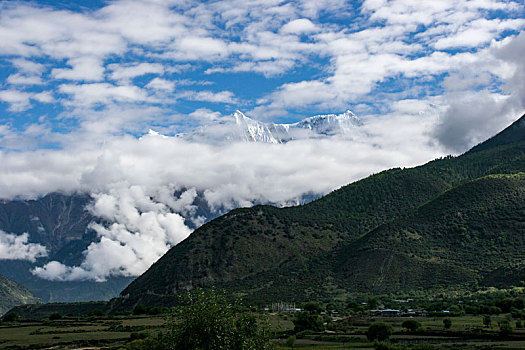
x,y
55,316
372,303
290,342
447,323
313,308
486,320
411,325
505,328
208,320
10,317
307,321
379,331
140,310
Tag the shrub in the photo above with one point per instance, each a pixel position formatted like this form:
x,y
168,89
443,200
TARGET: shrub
x,y
505,328
96,312
140,310
207,320
411,325
10,317
307,321
55,316
290,342
447,323
379,331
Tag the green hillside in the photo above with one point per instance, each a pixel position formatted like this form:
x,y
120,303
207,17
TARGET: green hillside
x,y
13,294
461,237
451,222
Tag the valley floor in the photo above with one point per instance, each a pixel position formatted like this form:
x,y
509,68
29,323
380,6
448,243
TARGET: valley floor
x,y
127,332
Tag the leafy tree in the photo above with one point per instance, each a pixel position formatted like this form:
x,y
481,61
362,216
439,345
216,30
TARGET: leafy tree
x,y
96,312
411,325
379,331
308,321
447,323
290,342
372,303
55,316
207,320
486,320
10,317
313,308
505,328
140,310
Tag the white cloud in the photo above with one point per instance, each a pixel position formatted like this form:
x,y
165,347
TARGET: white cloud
x,y
19,79
102,93
18,100
124,73
489,112
43,97
161,84
198,48
16,247
141,231
299,26
84,68
209,96
204,115
478,32
28,67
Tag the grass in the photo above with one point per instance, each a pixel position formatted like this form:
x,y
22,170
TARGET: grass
x,y
115,333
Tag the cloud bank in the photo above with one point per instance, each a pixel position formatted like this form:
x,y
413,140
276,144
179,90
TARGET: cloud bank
x,y
16,247
144,188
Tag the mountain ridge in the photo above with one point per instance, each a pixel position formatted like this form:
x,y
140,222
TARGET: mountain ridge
x,y
292,251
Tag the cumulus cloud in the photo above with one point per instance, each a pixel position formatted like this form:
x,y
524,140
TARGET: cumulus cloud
x,y
473,116
18,100
19,79
102,93
161,84
83,68
17,247
209,96
139,232
299,26
124,73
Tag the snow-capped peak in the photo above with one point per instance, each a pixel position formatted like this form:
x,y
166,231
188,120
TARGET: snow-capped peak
x,y
239,127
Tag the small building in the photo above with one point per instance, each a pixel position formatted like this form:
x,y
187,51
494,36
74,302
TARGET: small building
x,y
385,312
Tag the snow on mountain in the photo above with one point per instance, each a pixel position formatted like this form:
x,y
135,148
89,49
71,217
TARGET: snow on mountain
x,y
239,127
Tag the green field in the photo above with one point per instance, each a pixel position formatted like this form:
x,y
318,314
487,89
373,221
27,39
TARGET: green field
x,y
124,332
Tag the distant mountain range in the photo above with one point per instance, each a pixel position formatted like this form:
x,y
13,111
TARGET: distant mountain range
x,y
456,223
61,222
239,127
12,294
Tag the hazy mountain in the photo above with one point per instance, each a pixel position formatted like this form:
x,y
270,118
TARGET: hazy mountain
x,y
456,222
60,223
13,294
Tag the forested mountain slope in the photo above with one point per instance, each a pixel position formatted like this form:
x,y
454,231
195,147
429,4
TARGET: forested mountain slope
x,y
452,222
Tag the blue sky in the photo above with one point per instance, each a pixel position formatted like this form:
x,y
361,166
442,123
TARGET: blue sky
x,y
83,82
274,60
